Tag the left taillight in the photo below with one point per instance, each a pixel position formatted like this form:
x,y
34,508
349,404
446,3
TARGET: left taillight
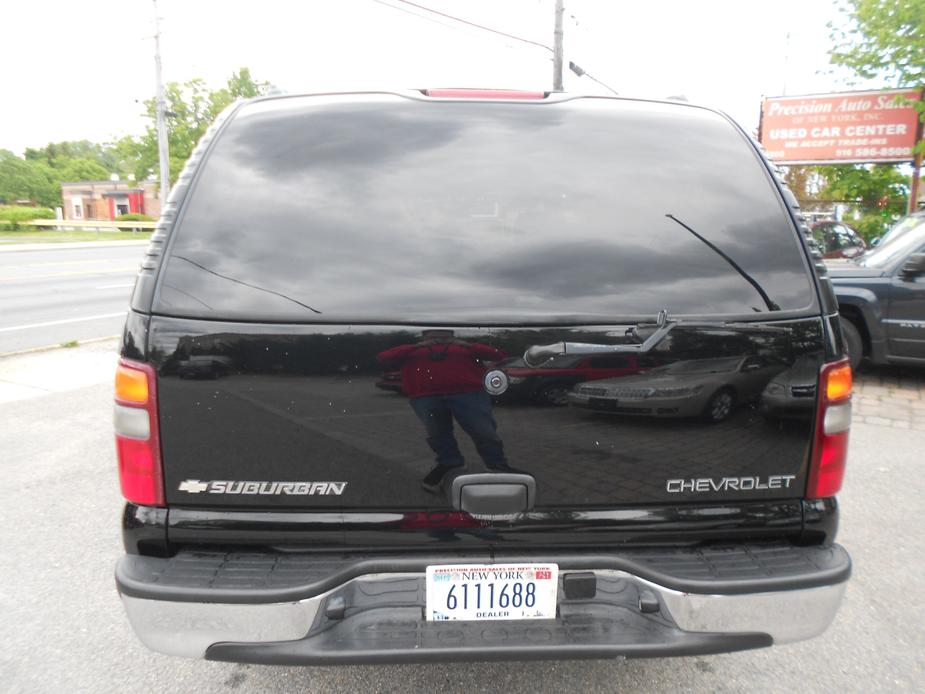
x,y
137,442
833,422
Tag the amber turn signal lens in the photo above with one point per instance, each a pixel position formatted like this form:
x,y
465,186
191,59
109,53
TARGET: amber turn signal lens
x,y
131,385
838,383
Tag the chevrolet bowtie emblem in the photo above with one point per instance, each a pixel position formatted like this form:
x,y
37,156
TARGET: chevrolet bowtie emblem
x,y
193,486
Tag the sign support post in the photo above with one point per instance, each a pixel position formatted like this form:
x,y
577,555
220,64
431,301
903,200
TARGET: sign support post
x,y
916,164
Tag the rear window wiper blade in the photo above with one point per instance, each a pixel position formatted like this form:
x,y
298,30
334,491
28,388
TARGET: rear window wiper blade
x,y
735,266
540,354
246,284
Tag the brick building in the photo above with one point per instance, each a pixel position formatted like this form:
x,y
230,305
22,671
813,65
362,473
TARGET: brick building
x,y
96,200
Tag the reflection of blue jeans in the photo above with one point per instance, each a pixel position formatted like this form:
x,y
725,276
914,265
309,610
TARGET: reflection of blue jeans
x,y
472,412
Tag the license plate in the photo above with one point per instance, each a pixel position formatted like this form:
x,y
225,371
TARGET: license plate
x,y
494,591
603,404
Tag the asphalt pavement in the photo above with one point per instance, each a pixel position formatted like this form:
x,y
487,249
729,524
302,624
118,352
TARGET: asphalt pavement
x,y
53,295
63,627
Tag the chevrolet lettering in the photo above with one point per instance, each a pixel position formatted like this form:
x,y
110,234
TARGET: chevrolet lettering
x,y
741,484
474,375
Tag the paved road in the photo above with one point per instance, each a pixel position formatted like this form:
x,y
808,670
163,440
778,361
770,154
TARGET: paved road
x,y
63,626
56,295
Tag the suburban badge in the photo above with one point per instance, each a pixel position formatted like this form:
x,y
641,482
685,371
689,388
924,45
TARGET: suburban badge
x,y
263,488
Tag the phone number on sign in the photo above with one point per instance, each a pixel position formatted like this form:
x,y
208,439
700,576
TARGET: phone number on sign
x,y
877,152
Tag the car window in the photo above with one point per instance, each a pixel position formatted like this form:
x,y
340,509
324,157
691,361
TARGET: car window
x,y
822,234
842,237
378,208
895,249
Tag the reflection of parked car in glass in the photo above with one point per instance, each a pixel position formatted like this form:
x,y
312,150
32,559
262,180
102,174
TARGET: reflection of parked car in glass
x,y
837,239
710,388
390,381
792,393
549,383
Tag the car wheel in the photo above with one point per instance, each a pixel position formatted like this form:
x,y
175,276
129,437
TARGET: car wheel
x,y
719,406
554,395
854,343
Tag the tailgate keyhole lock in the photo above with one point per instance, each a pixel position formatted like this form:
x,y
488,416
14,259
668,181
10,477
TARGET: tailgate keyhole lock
x,y
496,382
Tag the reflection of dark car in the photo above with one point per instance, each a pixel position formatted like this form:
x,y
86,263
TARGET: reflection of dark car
x,y
390,381
837,239
549,383
204,366
792,393
710,388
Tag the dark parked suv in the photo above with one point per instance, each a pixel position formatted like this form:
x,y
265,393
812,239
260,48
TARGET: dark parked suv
x,y
881,297
285,510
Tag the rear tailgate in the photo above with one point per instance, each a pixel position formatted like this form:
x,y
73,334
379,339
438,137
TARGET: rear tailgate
x,y
299,405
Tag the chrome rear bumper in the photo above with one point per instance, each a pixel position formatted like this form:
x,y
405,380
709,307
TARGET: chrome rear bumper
x,y
289,632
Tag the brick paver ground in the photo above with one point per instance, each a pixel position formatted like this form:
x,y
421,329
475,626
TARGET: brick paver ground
x,y
891,397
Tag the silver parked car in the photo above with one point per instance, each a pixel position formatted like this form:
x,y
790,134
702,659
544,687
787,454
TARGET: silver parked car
x,y
708,388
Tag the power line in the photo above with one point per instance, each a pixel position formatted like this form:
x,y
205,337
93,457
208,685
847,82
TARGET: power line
x,y
445,25
473,24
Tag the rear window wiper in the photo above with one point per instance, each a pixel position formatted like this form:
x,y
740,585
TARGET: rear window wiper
x,y
246,284
735,266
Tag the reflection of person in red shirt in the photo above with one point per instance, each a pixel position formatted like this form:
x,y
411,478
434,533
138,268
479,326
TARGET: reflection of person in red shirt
x,y
442,376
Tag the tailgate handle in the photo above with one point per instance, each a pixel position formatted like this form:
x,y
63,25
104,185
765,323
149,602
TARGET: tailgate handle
x,y
493,494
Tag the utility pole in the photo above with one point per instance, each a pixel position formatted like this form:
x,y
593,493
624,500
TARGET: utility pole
x,y
163,156
557,50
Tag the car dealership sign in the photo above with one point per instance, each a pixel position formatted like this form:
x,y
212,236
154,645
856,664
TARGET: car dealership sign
x,y
854,127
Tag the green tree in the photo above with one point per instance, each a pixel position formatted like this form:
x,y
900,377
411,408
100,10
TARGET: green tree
x,y
883,39
22,179
191,108
83,170
879,192
58,154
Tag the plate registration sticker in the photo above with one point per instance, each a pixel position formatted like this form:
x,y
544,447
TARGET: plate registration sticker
x,y
491,591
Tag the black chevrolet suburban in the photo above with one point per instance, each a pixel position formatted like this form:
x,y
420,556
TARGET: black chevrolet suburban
x,y
280,508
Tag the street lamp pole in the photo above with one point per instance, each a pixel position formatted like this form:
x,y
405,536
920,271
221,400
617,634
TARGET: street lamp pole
x,y
162,147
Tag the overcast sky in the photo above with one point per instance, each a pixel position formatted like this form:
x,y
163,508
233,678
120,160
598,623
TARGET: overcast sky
x,y
79,70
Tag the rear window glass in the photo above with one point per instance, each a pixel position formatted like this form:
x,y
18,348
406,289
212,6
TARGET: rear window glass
x,y
378,208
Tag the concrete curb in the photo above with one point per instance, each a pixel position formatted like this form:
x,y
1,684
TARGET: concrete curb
x,y
48,348
15,247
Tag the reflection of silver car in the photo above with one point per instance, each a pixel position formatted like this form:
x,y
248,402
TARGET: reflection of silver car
x,y
792,393
710,388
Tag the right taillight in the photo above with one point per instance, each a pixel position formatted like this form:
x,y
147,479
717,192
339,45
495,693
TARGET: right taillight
x,y
833,422
137,443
